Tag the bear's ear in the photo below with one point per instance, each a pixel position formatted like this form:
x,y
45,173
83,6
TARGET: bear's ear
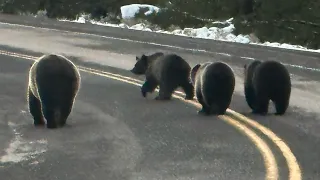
x,y
143,56
194,70
144,59
245,66
137,58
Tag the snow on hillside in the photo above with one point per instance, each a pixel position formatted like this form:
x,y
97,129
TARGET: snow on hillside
x,y
214,33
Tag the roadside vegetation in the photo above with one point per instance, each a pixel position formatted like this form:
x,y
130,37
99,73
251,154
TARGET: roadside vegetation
x,y
285,21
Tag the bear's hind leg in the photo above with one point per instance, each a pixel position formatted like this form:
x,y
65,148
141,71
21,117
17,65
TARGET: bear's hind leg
x,y
35,109
50,115
65,112
188,89
250,96
261,105
217,108
205,109
213,109
281,99
281,106
222,108
165,91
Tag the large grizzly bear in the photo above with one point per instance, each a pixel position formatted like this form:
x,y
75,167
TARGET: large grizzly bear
x,y
265,81
214,85
169,71
54,82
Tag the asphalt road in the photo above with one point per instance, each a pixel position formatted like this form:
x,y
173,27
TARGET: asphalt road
x,y
114,133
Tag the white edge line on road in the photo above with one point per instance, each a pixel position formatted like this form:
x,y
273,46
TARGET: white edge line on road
x,y
157,44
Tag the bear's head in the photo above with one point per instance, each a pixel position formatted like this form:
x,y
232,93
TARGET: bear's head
x,y
193,72
141,65
248,69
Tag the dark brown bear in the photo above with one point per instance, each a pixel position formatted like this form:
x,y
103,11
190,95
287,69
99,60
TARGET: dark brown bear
x,y
265,81
214,85
169,71
54,82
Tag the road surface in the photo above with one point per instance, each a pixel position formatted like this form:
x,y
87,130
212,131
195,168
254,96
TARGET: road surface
x,y
114,133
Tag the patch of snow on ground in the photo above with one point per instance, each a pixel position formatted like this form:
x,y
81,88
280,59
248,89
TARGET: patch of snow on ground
x,y
20,150
129,11
81,20
214,33
242,39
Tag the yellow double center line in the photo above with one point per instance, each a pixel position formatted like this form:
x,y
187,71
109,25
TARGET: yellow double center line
x,y
272,172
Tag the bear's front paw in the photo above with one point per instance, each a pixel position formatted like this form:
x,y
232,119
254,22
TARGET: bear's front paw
x,y
144,89
144,93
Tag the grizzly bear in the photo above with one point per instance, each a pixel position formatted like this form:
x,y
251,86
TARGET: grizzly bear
x,y
265,81
54,82
169,71
214,85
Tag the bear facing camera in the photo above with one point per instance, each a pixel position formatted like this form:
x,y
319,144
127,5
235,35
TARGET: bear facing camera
x,y
53,84
265,81
214,85
169,71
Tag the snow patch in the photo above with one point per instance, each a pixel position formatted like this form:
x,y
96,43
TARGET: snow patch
x,y
245,39
129,11
21,150
81,20
139,26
